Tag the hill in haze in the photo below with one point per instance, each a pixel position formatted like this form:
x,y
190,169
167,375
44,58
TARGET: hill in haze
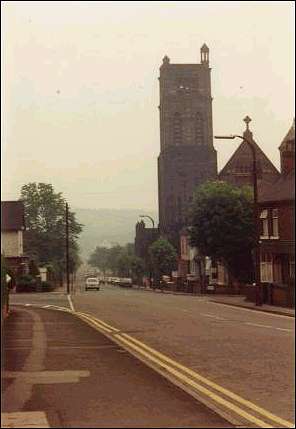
x,y
107,227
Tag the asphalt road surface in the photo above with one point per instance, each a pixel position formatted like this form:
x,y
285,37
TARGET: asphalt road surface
x,y
251,354
60,372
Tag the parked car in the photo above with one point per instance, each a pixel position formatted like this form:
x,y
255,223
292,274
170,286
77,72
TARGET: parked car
x,y
126,282
92,283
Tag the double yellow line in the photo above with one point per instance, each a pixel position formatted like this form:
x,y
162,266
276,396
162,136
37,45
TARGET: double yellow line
x,y
192,379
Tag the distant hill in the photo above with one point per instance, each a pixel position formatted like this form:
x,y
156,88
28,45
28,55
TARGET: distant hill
x,y
106,227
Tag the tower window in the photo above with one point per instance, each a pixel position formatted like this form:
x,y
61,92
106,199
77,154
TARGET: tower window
x,y
199,131
177,129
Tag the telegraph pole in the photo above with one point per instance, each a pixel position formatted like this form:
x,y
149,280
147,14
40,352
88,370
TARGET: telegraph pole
x,y
251,143
67,249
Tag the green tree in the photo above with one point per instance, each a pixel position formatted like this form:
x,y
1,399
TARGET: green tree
x,y
44,238
100,258
163,258
123,264
222,223
33,269
138,268
113,256
130,249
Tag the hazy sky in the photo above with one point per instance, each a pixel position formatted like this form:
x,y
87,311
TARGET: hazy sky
x,y
80,89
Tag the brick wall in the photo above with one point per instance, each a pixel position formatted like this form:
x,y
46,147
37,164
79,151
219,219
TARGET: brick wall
x,y
286,222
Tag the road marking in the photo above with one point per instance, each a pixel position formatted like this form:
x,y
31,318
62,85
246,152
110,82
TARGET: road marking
x,y
70,302
283,329
165,361
202,389
259,325
268,327
91,321
264,313
213,316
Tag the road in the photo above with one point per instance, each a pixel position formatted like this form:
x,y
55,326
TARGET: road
x,y
59,372
246,352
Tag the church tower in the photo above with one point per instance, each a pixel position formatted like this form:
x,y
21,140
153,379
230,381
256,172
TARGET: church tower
x,y
187,155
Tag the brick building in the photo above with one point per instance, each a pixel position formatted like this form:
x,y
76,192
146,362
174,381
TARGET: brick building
x,y
277,218
12,228
187,155
144,238
238,170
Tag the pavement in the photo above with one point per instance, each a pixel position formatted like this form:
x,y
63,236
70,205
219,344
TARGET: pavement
x,y
232,300
240,301
58,371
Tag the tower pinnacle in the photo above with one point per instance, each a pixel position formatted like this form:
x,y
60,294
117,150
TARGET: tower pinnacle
x,y
204,54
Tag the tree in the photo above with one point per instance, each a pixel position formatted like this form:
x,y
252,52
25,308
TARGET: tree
x,y
222,223
121,260
100,258
33,269
163,258
137,268
44,238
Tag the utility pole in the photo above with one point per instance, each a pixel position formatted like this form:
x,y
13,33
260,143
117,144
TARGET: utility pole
x,y
67,249
251,143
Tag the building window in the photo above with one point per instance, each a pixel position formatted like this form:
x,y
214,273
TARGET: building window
x,y
199,132
177,129
264,224
266,272
275,224
277,269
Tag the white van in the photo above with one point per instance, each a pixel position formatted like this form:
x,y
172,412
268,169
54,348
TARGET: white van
x,y
92,283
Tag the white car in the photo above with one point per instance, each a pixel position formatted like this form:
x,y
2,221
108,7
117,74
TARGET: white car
x,y
92,283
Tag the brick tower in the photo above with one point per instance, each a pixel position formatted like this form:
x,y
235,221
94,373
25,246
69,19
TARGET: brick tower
x,y
187,155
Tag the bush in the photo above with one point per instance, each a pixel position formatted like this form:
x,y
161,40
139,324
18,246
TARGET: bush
x,y
26,283
46,286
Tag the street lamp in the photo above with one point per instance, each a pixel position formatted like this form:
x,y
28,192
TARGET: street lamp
x,y
149,217
251,144
67,249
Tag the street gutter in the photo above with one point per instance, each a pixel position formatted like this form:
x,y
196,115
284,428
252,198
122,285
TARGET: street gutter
x,y
281,313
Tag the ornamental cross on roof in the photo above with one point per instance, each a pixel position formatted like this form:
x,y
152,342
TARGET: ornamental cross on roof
x,y
247,120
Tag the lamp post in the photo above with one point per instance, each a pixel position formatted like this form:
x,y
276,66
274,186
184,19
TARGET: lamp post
x,y
251,145
153,226
149,217
67,250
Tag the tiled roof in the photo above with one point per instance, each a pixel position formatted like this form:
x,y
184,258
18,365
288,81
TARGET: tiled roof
x,y
243,150
282,189
290,136
12,216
